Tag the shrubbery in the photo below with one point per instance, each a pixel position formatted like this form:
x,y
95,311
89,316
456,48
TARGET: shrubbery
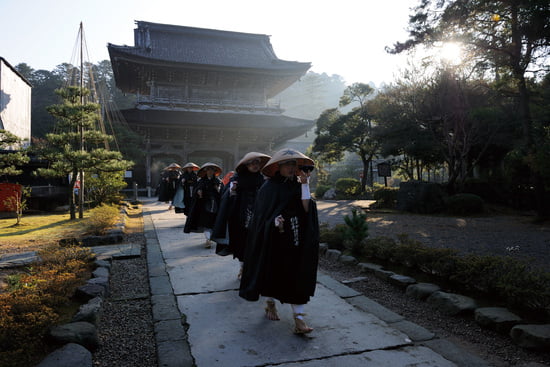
x,y
35,299
508,280
464,204
103,218
320,190
347,187
333,237
421,197
386,197
355,232
105,187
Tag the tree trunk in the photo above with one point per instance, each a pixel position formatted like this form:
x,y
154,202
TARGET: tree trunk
x,y
519,67
81,195
371,176
365,174
72,209
418,165
19,206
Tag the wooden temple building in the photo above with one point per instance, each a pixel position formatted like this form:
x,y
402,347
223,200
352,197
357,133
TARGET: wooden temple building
x,y
203,95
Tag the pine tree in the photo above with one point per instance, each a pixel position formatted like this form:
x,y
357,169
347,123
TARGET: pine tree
x,y
76,145
13,157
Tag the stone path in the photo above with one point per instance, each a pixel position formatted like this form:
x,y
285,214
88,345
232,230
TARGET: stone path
x,y
193,284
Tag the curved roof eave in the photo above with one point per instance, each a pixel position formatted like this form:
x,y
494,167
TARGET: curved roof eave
x,y
216,119
133,55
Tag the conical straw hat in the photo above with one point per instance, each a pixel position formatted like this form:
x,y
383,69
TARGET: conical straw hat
x,y
272,166
202,171
250,156
173,166
191,165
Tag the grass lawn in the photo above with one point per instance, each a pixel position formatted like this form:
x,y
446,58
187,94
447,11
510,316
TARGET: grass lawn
x,y
36,231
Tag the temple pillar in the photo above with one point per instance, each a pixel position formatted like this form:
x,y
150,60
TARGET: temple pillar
x,y
148,166
236,155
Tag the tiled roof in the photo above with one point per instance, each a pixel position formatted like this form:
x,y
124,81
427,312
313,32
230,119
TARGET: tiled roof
x,y
189,45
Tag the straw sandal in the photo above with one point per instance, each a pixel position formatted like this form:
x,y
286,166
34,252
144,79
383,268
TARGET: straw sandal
x,y
271,311
300,325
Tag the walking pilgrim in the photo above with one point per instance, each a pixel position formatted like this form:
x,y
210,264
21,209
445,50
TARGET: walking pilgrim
x,y
205,202
281,254
168,183
237,205
188,181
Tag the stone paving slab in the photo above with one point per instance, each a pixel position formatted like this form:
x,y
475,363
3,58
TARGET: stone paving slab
x,y
15,260
368,305
164,307
336,286
174,353
406,357
201,274
225,330
415,332
454,353
160,285
119,251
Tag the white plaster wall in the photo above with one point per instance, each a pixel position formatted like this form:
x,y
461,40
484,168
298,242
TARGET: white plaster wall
x,y
15,103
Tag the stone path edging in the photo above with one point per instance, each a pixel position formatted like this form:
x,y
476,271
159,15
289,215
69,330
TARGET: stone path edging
x,y
530,336
173,350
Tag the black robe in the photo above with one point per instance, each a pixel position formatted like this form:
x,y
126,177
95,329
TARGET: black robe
x,y
204,210
236,211
188,188
281,265
168,185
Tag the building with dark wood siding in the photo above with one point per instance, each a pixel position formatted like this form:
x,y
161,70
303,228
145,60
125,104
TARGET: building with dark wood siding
x,y
204,95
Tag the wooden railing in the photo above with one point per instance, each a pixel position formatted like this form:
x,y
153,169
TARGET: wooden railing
x,y
204,104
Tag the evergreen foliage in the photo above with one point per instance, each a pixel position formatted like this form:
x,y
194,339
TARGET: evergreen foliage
x,y
386,197
76,145
356,232
10,164
333,237
320,190
347,187
352,132
104,187
464,204
12,160
507,40
102,218
510,281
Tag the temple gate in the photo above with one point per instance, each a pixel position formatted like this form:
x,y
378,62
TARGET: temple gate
x,y
203,95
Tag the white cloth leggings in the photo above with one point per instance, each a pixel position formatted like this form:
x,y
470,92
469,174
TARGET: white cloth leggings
x,y
296,309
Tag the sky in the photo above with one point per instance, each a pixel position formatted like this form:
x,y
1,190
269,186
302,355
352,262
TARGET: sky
x,y
345,37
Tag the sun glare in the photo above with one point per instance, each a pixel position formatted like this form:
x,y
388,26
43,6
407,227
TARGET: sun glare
x,y
451,52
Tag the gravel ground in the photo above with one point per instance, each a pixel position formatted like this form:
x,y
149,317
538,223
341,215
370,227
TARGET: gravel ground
x,y
126,335
503,235
492,234
126,328
495,348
